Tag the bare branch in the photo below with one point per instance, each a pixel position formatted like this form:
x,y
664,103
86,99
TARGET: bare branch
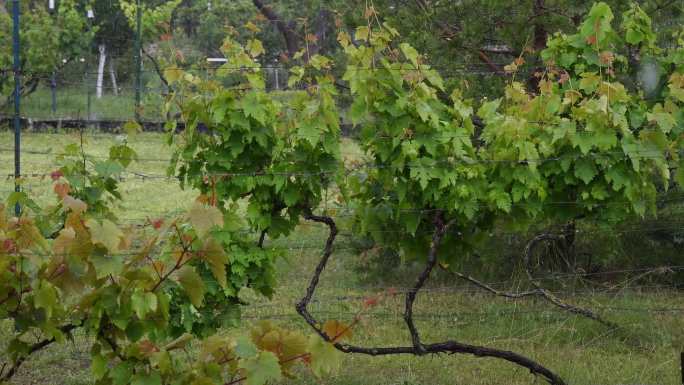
x,y
157,68
490,289
440,230
33,349
492,66
450,347
547,295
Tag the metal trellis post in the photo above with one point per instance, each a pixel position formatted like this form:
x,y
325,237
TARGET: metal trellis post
x,y
90,17
138,60
17,100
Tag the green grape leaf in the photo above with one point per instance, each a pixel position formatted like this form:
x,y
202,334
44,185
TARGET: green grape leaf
x,y
98,366
679,174
325,358
105,233
585,169
664,119
46,297
245,348
106,265
147,379
143,303
192,284
255,48
261,369
411,54
634,36
121,374
108,168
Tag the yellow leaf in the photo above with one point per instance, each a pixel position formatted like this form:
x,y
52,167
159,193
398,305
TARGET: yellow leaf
x,y
64,240
255,47
203,218
362,33
252,27
336,330
213,253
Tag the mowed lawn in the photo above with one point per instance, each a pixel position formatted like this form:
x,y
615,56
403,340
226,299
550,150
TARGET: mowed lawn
x,y
644,350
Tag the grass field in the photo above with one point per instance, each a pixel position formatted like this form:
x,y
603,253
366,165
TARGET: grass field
x,y
645,350
72,103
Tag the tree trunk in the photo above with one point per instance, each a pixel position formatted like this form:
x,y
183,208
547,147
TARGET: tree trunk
x,y
100,70
112,75
287,29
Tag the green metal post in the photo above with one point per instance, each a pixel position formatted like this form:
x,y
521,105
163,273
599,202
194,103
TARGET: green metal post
x,y
17,101
138,60
88,59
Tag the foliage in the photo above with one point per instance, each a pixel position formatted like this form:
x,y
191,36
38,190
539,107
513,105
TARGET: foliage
x,y
292,144
47,41
138,291
154,17
441,176
582,139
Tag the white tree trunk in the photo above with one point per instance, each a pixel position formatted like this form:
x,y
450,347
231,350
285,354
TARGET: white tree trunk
x,y
277,83
112,75
100,70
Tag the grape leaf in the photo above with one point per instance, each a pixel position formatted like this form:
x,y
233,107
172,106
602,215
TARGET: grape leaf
x,y
679,174
192,284
213,253
143,303
108,168
585,170
107,265
336,330
204,217
245,348
105,233
98,366
147,379
325,358
261,369
75,205
45,297
121,374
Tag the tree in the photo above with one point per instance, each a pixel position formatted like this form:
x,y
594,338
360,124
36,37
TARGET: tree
x,y
48,42
580,145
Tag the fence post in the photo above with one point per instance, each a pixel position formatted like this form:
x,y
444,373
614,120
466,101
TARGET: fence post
x,y
53,91
17,100
90,17
138,60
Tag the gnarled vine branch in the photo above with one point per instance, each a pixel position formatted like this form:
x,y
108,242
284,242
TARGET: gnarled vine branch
x,y
418,348
40,345
538,290
547,295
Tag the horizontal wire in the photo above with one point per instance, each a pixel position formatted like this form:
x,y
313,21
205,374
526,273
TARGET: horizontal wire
x,y
445,164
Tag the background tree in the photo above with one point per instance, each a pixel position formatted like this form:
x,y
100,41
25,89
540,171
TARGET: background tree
x,y
48,42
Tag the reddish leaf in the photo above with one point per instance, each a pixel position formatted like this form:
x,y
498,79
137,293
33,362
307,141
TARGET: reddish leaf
x,y
370,302
157,223
56,174
61,189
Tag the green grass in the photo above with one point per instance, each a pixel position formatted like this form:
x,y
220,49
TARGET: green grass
x,y
72,103
644,351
